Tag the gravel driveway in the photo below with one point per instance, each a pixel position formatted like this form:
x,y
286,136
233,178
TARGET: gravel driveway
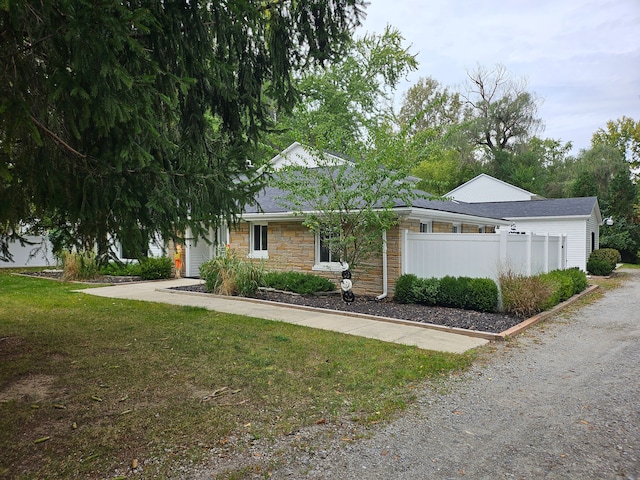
x,y
561,402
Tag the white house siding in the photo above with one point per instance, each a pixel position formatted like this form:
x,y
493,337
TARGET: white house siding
x,y
37,255
485,188
199,251
578,237
296,154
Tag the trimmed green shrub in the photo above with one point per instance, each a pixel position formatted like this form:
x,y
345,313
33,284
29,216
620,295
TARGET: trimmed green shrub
x,y
121,269
603,261
425,291
561,286
482,295
611,254
155,268
298,282
453,292
599,266
405,288
578,279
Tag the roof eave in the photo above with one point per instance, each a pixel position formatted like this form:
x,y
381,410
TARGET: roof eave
x,y
443,215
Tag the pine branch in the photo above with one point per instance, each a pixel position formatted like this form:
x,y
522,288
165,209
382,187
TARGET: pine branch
x,y
57,139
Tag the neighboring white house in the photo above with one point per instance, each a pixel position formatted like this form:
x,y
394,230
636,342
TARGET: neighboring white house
x,y
36,253
485,188
578,218
39,253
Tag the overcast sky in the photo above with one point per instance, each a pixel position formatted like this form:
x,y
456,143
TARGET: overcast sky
x,y
581,57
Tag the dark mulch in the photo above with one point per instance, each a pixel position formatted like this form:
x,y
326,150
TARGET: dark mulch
x,y
450,317
57,275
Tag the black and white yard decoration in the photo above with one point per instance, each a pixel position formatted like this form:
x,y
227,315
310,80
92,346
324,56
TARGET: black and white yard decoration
x,y
346,284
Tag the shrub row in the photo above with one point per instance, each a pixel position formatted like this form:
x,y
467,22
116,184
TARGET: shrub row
x,y
480,294
230,275
298,282
527,295
603,261
151,268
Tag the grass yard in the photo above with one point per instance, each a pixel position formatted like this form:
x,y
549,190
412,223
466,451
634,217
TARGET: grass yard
x,y
88,384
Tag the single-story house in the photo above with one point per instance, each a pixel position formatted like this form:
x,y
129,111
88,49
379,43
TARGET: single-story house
x,y
578,218
272,233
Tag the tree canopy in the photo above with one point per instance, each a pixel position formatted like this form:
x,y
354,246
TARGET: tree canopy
x,y
623,134
341,105
135,118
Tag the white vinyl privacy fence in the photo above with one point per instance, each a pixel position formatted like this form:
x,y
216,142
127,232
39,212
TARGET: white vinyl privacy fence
x,y
481,255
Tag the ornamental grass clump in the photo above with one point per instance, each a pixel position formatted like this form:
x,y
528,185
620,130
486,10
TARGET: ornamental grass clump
x,y
79,266
523,296
230,275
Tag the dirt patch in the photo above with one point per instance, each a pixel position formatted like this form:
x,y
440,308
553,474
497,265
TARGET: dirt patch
x,y
34,388
12,348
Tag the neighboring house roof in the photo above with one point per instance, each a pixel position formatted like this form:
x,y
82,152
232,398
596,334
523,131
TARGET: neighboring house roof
x,y
558,207
485,188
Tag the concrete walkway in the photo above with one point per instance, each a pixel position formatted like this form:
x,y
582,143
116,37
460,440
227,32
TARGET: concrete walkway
x,y
418,336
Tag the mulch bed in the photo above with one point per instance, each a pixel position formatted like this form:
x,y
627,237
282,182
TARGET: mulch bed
x,y
57,275
450,317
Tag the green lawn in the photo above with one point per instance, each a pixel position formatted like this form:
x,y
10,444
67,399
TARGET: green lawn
x,y
88,384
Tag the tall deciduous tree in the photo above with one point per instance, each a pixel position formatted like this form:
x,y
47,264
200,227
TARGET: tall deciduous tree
x,y
131,118
623,134
435,119
342,103
427,106
504,112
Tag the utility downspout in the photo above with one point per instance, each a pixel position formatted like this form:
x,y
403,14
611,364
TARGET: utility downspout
x,y
384,267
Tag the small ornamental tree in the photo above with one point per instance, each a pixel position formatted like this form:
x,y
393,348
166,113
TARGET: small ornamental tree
x,y
348,203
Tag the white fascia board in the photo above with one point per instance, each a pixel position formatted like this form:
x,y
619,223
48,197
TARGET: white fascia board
x,y
561,217
451,217
273,217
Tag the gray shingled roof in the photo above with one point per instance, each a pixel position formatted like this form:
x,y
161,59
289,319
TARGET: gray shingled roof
x,y
270,201
557,207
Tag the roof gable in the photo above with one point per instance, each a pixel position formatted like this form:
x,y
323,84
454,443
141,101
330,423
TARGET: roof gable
x,y
296,154
485,188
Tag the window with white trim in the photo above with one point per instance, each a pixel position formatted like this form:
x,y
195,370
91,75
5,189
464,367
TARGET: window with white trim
x,y
426,227
326,257
259,240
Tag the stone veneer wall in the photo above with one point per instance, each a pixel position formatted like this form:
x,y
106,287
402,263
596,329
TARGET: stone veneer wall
x,y
291,246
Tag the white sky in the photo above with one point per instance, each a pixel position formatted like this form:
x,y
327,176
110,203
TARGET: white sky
x,y
581,57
